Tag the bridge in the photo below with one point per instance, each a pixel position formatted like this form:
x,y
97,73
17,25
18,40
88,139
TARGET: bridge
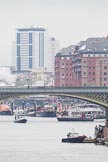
x,y
98,95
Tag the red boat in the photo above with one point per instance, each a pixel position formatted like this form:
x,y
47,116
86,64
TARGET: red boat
x,y
74,138
5,109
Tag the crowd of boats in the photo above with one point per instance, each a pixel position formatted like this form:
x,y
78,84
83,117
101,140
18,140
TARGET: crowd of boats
x,y
73,112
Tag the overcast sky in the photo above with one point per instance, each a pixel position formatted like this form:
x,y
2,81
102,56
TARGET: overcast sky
x,y
69,21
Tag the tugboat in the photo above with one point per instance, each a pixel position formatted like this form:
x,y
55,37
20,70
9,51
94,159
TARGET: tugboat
x,y
74,138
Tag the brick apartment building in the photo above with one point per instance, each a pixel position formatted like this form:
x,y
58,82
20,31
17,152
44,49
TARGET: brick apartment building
x,y
63,67
83,65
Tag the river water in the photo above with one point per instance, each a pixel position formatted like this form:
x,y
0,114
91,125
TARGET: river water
x,y
39,140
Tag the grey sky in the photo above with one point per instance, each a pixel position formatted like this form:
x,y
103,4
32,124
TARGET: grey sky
x,y
67,20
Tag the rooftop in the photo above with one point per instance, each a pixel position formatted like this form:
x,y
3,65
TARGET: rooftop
x,y
31,29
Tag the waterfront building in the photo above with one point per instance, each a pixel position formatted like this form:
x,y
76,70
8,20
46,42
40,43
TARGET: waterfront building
x,y
34,49
89,64
63,67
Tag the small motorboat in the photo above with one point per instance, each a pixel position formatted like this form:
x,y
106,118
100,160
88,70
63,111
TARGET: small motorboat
x,y
74,138
20,119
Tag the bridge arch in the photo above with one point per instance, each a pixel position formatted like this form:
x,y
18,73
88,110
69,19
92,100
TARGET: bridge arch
x,y
98,95
85,99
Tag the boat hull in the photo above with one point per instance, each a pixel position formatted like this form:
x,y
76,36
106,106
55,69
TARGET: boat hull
x,y
20,121
69,119
8,112
74,140
42,114
46,114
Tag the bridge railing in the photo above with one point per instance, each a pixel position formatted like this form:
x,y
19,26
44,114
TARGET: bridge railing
x,y
69,90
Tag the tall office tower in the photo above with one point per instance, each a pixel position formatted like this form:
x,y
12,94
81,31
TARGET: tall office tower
x,y
33,49
54,48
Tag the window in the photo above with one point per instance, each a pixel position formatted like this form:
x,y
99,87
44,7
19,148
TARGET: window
x,y
105,67
105,73
84,84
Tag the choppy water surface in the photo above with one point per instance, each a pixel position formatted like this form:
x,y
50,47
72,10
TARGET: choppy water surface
x,y
39,140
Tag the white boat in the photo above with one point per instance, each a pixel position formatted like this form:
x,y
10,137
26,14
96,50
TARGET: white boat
x,y
20,116
20,119
88,110
85,110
